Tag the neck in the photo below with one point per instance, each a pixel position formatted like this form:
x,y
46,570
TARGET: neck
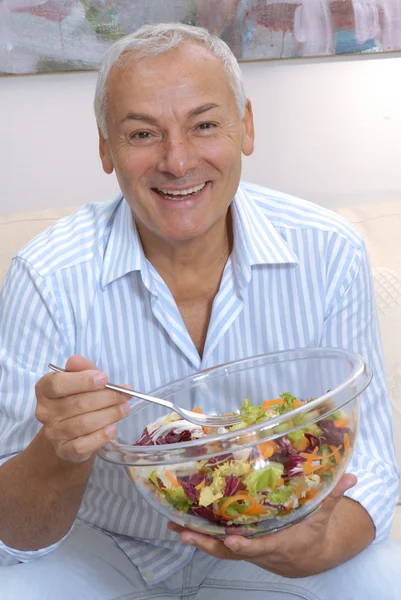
x,y
192,266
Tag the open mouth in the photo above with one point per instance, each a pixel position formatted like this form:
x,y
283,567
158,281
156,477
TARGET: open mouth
x,y
180,194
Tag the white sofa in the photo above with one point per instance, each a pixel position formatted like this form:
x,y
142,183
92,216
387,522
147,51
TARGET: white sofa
x,y
380,225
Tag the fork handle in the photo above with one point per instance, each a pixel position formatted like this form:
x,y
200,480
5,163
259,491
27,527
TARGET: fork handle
x,y
117,388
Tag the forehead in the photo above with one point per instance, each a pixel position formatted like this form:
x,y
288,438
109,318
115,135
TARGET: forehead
x,y
184,75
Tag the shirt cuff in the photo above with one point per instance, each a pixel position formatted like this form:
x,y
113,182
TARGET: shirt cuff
x,y
377,492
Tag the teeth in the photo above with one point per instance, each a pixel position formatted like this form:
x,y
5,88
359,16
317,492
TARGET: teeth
x,y
182,192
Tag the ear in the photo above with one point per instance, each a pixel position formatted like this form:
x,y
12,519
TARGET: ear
x,y
248,130
104,152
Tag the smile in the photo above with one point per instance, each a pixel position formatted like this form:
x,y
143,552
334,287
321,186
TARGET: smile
x,y
180,194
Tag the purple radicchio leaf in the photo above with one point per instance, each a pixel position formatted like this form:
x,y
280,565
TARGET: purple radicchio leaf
x,y
145,439
205,513
293,466
190,490
285,446
313,442
215,461
233,485
196,478
331,434
174,437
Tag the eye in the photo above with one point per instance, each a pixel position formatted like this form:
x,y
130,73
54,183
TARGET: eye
x,y
206,126
141,135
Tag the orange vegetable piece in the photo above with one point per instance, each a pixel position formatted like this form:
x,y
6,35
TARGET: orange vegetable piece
x,y
171,479
255,509
269,403
341,422
336,453
280,482
304,443
288,508
347,443
239,496
267,449
198,410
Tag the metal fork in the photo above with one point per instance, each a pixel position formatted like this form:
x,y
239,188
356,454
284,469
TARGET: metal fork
x,y
189,415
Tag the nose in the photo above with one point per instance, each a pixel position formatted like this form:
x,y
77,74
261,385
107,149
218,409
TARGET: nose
x,y
179,156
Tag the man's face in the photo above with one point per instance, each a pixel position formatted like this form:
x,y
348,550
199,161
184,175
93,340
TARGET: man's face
x,y
175,141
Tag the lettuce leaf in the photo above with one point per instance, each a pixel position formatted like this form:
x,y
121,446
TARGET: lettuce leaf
x,y
280,496
262,479
251,413
178,498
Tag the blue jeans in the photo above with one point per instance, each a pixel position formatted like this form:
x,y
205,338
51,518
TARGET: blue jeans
x,y
90,566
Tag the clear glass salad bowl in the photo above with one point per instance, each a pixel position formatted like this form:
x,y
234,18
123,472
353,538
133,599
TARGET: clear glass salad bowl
x,y
300,411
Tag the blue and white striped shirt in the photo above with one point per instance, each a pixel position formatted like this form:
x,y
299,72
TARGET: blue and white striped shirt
x,y
298,276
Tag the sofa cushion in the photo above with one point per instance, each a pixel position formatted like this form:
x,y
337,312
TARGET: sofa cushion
x,y
388,299
380,225
18,228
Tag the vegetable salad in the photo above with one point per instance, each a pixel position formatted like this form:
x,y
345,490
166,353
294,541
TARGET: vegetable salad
x,y
266,481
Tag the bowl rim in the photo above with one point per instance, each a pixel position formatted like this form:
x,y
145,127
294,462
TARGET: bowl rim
x,y
360,377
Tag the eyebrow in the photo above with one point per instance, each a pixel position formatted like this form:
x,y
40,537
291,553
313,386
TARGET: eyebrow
x,y
199,110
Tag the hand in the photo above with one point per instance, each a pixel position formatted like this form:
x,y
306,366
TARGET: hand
x,y
299,551
77,413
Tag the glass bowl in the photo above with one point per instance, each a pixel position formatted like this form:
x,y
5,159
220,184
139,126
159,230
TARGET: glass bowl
x,y
260,478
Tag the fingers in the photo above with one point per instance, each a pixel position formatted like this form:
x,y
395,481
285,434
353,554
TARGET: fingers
x,y
83,448
77,412
61,385
79,363
205,543
87,422
345,483
236,547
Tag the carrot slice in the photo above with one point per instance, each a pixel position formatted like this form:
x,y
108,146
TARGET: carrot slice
x,y
198,410
171,479
255,509
269,403
341,422
303,444
267,449
288,508
336,453
347,443
239,496
280,482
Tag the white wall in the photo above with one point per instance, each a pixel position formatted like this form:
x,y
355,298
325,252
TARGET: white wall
x,y
329,131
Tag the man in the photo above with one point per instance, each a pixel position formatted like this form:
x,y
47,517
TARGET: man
x,y
186,269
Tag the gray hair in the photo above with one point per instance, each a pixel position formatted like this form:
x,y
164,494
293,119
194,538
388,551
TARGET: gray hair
x,y
152,40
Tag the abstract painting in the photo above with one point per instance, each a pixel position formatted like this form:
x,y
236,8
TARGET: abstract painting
x,y
64,35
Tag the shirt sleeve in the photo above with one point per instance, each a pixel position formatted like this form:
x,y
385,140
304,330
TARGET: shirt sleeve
x,y
351,322
31,335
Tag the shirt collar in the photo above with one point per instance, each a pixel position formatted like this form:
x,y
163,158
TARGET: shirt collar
x,y
256,242
124,253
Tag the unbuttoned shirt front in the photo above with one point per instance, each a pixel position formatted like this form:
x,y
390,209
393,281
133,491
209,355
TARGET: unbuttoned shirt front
x,y
298,276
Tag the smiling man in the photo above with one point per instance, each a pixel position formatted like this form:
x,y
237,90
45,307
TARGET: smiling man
x,y
187,268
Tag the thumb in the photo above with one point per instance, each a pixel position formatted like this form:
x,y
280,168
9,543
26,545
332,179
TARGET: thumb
x,y
345,483
79,363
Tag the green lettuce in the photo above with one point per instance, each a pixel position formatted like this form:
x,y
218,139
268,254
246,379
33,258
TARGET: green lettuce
x,y
260,480
280,496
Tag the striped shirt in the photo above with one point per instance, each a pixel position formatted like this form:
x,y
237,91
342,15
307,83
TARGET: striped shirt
x,y
298,276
